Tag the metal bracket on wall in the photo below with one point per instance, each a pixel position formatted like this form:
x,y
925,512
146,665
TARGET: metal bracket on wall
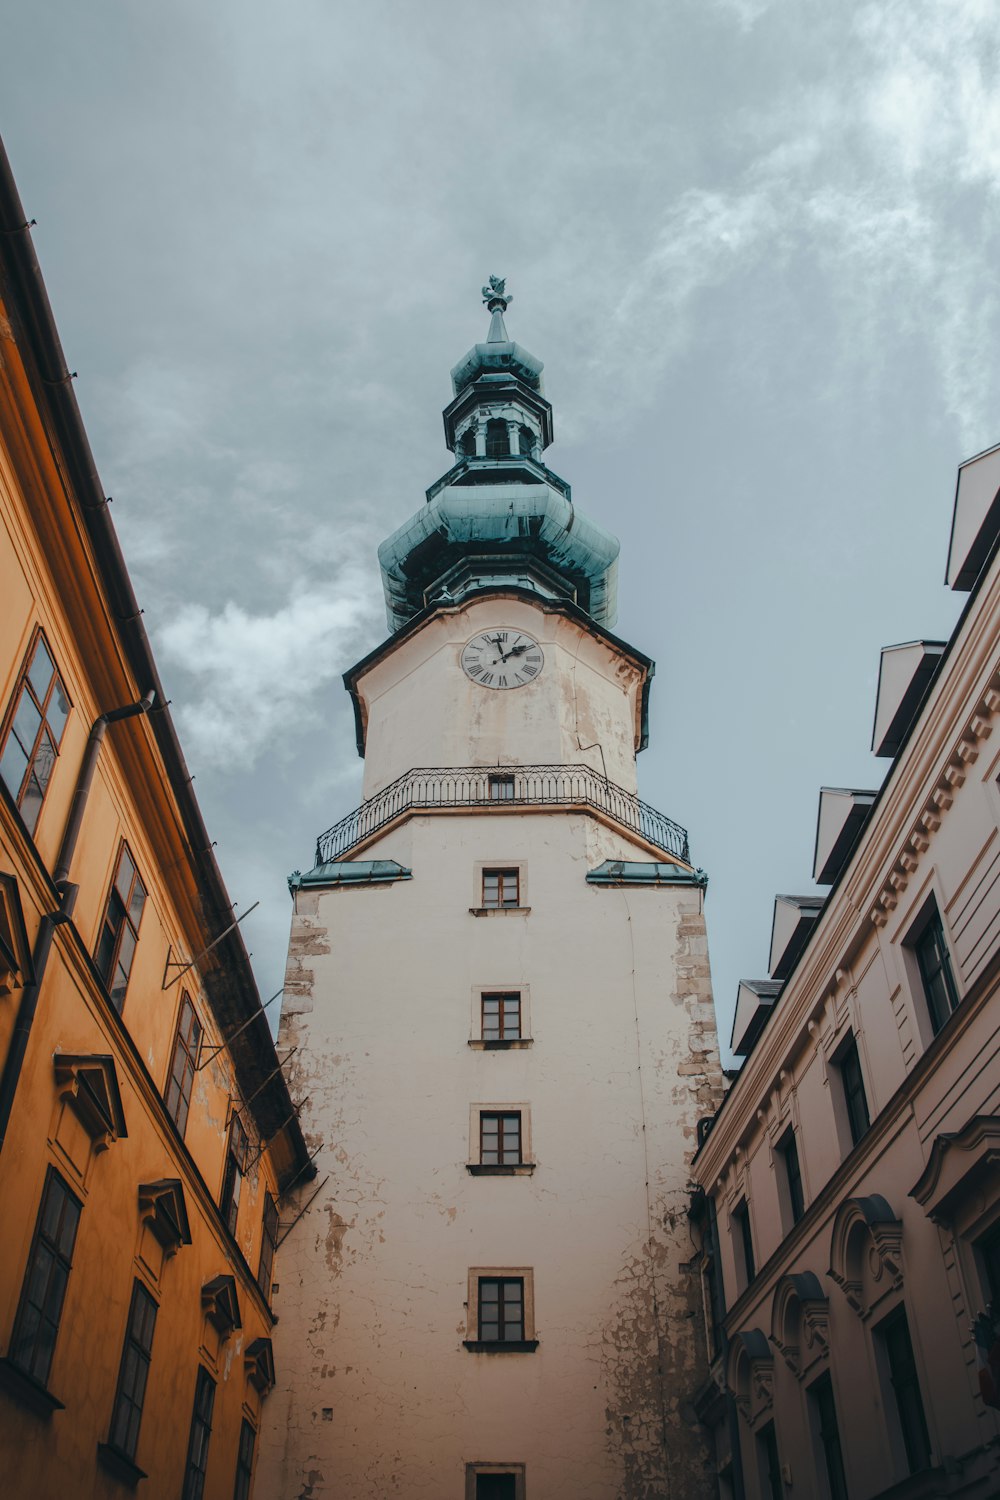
x,y
308,1204
184,966
252,1162
202,1062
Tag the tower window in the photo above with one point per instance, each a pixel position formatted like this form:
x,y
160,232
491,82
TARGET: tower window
x,y
526,438
501,888
500,1139
34,730
120,928
467,443
501,1018
501,1310
497,439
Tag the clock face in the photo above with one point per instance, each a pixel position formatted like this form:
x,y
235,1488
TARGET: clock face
x,y
502,658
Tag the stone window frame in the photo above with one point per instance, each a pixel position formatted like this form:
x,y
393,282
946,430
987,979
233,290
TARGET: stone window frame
x,y
800,1324
750,1377
472,1341
866,1233
476,1038
517,1470
480,868
475,1165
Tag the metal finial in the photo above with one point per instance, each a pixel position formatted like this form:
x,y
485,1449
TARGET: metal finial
x,y
494,295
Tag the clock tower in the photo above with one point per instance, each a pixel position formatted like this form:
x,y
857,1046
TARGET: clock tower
x,y
499,993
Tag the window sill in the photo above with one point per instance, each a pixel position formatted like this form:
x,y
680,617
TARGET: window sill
x,y
500,1044
485,1169
27,1390
120,1465
499,911
501,1346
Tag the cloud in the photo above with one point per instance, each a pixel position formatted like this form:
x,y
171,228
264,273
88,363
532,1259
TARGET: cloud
x,y
258,679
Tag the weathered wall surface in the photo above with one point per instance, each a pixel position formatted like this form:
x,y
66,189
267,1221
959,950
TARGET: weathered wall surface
x,y
376,1394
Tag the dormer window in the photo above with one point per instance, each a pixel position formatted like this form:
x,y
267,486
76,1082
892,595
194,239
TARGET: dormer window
x,y
497,439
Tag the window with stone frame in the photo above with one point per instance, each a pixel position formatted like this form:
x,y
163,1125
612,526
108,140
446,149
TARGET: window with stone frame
x,y
268,1245
848,1065
930,950
823,1411
120,927
501,1015
33,731
897,1347
244,1461
497,439
501,888
501,1309
769,1464
500,1138
137,1353
43,1292
232,1177
497,1481
184,1063
201,1432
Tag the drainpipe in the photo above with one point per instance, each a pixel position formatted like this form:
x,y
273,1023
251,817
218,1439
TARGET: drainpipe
x,y
67,901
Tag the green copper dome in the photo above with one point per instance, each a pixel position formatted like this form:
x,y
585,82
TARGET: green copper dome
x,y
499,516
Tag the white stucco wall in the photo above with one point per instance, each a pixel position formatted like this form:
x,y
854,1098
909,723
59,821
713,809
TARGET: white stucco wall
x,y
373,1286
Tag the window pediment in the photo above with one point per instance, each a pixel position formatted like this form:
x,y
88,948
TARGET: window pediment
x,y
750,1373
163,1209
88,1084
958,1165
800,1323
220,1304
259,1365
866,1246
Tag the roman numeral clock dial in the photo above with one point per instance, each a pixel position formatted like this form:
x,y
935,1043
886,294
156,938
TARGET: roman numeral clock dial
x,y
502,658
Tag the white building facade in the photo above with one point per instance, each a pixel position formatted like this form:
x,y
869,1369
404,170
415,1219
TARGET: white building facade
x,y
849,1203
498,987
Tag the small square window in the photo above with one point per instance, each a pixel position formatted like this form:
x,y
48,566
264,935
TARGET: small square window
x,y
501,1015
501,888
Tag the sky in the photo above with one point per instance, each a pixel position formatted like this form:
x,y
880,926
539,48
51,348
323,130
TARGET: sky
x,y
755,243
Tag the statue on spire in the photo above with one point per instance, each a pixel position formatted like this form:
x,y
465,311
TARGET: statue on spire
x,y
495,296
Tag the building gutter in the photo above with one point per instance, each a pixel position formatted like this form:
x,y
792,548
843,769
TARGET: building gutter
x,y
55,397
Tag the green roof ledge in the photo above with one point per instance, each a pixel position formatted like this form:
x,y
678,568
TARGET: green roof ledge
x,y
349,872
499,513
645,872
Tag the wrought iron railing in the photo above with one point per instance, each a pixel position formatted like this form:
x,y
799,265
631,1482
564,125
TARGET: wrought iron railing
x,y
502,787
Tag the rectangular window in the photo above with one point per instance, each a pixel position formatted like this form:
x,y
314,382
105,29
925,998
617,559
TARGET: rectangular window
x,y
120,927
793,1177
494,1482
988,1250
496,1487
501,888
827,1431
185,1061
132,1377
853,1085
244,1462
895,1336
934,963
501,1018
744,1241
232,1177
268,1245
501,788
201,1431
501,1309
500,1139
33,733
769,1463
50,1261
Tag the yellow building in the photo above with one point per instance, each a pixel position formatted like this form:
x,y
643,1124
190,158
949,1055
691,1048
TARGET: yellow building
x,y
146,1130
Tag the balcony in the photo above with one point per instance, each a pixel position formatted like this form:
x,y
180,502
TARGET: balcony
x,y
502,788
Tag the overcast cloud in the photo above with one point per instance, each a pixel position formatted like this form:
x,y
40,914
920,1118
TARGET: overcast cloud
x,y
755,244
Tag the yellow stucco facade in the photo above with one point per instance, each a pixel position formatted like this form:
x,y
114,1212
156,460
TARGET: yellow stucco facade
x,y
147,1133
